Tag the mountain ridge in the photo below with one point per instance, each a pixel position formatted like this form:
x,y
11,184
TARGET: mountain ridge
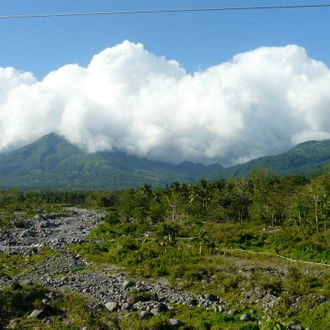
x,y
307,158
51,162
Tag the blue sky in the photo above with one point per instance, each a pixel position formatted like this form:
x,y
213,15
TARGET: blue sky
x,y
196,40
207,87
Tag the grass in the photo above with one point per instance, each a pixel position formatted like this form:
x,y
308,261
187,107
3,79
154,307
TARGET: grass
x,y
12,264
243,260
235,259
192,318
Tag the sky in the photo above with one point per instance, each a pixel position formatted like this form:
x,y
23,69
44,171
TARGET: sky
x,y
207,87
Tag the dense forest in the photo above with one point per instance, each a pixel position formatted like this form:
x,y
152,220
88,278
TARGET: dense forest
x,y
294,201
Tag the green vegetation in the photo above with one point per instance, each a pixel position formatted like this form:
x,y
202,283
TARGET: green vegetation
x,y
15,305
308,159
52,163
235,238
11,265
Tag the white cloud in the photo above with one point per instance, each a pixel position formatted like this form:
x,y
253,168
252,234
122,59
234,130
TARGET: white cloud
x,y
262,102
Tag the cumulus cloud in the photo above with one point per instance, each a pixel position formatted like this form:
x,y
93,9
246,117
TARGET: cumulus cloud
x,y
261,102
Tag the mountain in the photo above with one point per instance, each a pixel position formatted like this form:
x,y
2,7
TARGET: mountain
x,y
308,158
53,163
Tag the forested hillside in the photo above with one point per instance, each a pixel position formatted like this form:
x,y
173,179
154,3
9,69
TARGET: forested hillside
x,y
52,163
308,159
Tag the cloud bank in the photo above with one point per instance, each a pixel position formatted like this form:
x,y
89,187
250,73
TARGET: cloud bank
x,y
261,102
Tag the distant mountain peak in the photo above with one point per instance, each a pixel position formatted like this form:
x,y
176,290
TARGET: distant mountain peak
x,y
52,162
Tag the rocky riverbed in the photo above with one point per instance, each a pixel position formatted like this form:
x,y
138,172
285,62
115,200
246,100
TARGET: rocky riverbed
x,y
107,287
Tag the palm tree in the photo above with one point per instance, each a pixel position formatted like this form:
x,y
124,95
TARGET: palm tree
x,y
200,193
169,229
146,190
200,238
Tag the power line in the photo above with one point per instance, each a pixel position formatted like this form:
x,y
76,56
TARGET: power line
x,y
162,11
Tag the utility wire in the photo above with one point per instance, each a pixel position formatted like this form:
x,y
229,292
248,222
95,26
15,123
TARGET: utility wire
x,y
161,11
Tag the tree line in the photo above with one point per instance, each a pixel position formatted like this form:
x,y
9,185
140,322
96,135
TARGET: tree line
x,y
263,197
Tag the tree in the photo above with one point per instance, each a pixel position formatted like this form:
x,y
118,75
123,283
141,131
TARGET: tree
x,y
262,183
127,203
169,229
174,196
146,190
217,210
298,210
319,192
199,194
240,198
200,238
157,209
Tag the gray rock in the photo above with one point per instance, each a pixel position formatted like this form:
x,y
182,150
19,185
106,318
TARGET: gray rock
x,y
126,307
159,308
233,312
176,324
245,318
12,324
45,301
65,279
221,309
37,313
296,327
27,282
128,284
111,306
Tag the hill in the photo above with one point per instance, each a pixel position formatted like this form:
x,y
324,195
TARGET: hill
x,y
52,163
308,158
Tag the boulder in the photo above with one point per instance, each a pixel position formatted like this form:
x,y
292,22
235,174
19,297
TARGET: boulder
x,y
233,312
111,306
37,313
245,318
221,309
126,307
159,308
128,284
176,324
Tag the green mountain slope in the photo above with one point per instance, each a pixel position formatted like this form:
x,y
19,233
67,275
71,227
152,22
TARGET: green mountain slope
x,y
55,164
308,158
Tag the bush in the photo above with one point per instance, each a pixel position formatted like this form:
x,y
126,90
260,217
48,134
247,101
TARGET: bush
x,y
298,283
112,217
